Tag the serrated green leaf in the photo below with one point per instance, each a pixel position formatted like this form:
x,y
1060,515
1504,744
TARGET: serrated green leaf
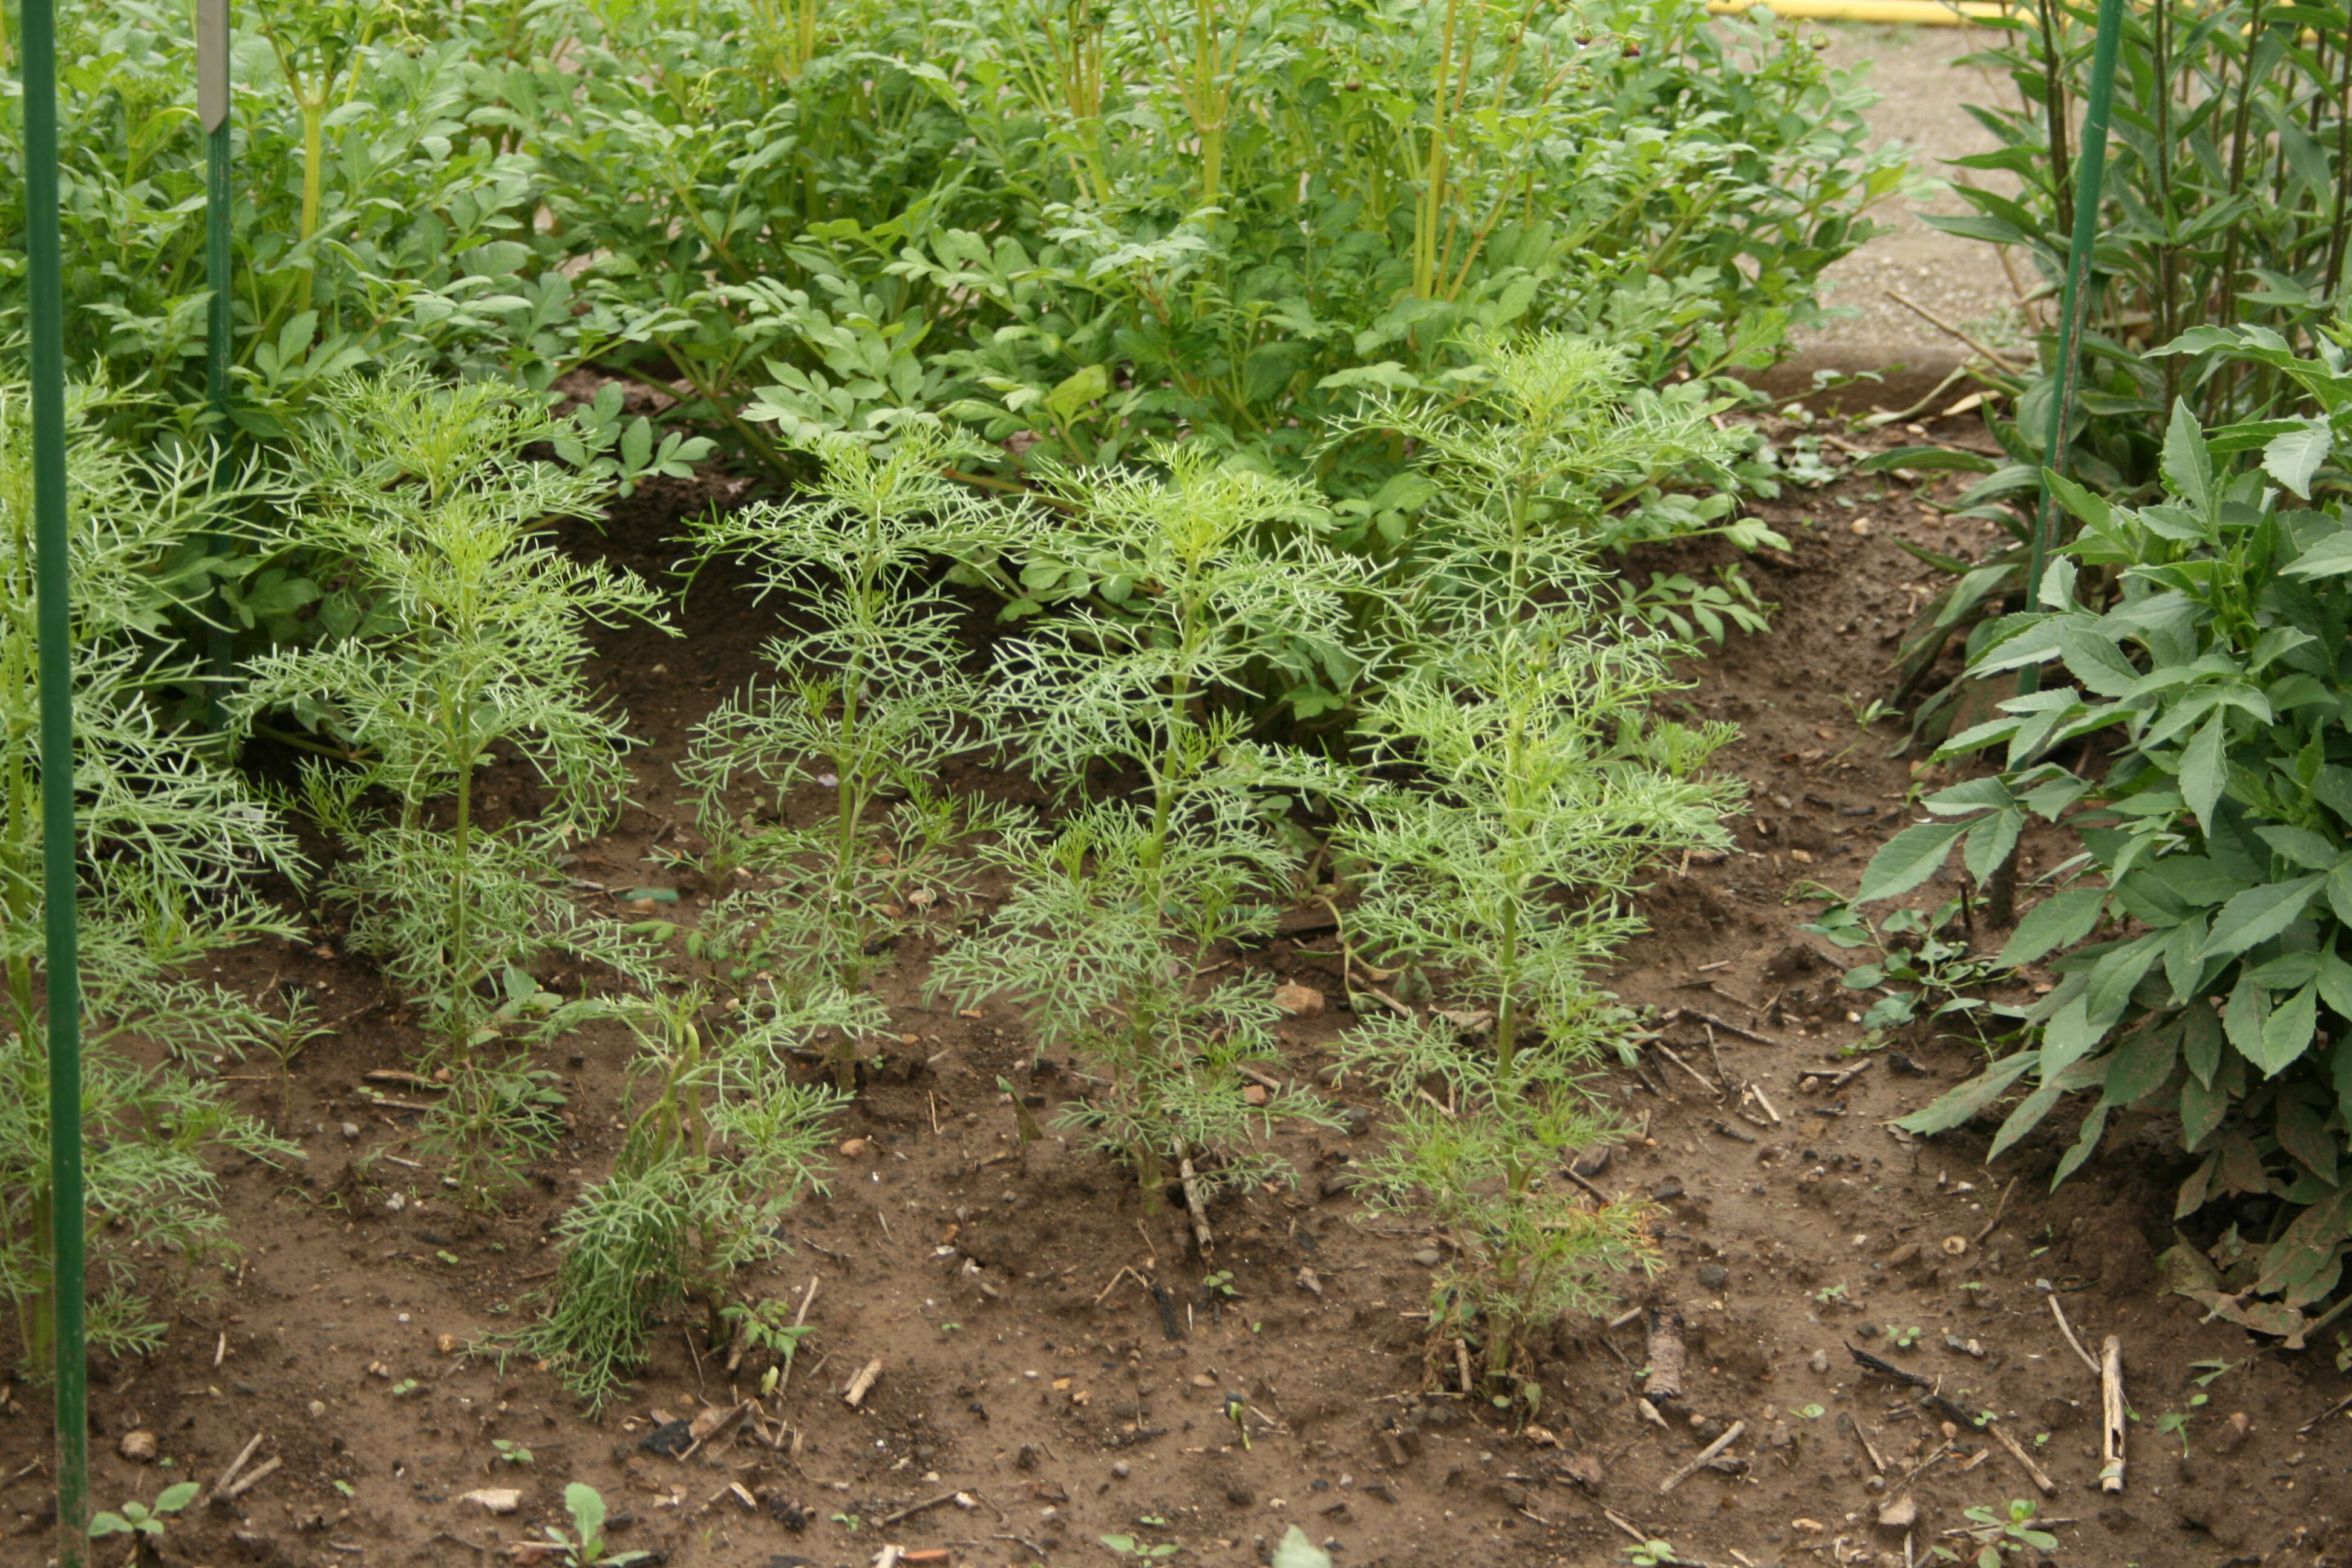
x,y
2200,1041
2292,457
2204,772
2331,557
1956,1107
2059,921
1907,860
2257,915
2286,1034
2188,467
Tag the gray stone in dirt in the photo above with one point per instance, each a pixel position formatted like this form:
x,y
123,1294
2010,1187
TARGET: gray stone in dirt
x,y
1713,1275
1592,1161
1240,1496
1898,1515
1429,1257
351,1131
1867,1332
1818,1361
1667,1191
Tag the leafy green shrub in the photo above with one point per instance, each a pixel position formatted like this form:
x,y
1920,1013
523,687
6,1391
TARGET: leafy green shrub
x,y
2204,637
725,1146
465,646
2228,201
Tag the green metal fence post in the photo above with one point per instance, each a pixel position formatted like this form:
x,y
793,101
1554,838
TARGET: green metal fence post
x,y
2075,298
58,840
212,113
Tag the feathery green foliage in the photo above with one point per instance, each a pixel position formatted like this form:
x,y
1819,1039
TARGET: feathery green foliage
x,y
1548,457
1539,786
467,648
1115,919
723,1147
870,701
167,839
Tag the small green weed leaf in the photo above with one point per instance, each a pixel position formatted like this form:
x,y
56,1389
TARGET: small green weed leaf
x,y
1909,859
1294,1551
585,1504
176,1497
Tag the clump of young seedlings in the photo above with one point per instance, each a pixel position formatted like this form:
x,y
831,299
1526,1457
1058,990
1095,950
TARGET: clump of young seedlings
x,y
468,655
719,1146
167,840
869,704
1116,921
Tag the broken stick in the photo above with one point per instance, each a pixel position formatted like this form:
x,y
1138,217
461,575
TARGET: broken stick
x,y
1193,1202
1671,1014
862,1384
2017,1451
1729,1436
2110,1413
1665,1357
252,1478
2067,1329
228,1471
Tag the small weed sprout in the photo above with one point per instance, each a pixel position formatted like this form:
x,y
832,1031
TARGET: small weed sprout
x,y
285,1038
144,1523
510,1452
472,644
727,1145
2001,1534
586,1547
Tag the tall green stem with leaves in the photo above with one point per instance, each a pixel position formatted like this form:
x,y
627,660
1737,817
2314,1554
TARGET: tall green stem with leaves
x,y
317,44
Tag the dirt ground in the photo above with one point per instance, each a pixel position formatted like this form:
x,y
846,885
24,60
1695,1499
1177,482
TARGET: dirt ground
x,y
1053,1370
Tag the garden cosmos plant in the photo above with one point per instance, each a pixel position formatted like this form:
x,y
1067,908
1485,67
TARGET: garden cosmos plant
x,y
726,1144
472,644
169,839
873,693
1108,935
